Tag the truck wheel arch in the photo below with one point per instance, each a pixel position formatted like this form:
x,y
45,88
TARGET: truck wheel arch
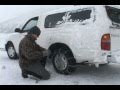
x,y
59,45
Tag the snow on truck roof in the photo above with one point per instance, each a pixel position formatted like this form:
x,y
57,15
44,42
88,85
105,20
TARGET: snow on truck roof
x,y
74,7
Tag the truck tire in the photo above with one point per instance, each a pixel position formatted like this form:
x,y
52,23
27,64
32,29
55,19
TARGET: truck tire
x,y
63,61
11,51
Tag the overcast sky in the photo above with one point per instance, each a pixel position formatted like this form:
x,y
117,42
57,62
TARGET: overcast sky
x,y
10,11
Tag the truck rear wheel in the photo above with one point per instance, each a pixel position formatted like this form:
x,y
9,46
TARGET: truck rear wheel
x,y
63,61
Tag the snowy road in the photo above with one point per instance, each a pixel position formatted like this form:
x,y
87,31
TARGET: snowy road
x,y
108,75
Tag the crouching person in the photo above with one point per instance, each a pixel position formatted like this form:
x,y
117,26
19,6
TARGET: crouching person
x,y
32,56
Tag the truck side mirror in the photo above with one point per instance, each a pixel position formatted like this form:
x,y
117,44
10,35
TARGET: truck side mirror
x,y
17,30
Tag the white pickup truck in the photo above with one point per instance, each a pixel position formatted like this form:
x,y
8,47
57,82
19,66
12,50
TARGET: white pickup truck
x,y
74,35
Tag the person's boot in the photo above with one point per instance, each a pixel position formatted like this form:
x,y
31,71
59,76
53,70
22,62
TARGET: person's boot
x,y
24,74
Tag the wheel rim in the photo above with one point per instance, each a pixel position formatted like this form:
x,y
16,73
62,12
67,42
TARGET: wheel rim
x,y
11,52
61,62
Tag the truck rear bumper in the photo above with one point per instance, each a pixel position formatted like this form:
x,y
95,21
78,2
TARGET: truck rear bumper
x,y
100,57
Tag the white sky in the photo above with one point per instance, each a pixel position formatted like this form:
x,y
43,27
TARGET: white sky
x,y
10,11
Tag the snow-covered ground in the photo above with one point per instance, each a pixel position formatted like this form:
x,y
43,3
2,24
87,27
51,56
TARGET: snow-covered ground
x,y
10,74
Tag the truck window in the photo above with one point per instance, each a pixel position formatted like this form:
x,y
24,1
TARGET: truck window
x,y
81,16
114,15
31,23
52,20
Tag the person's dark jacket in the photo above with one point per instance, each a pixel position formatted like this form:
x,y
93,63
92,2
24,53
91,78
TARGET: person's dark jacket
x,y
29,51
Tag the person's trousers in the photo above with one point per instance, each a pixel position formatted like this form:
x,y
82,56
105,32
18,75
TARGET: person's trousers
x,y
38,70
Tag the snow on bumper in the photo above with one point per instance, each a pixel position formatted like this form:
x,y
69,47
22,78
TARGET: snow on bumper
x,y
105,57
97,57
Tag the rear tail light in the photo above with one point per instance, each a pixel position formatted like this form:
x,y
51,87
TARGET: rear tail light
x,y
106,42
